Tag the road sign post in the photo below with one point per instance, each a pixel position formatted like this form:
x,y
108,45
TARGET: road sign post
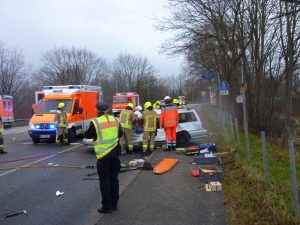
x,y
213,76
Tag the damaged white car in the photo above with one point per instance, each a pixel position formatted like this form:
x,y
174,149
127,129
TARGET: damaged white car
x,y
189,128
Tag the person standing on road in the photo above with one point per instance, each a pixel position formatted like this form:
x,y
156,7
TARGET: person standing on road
x,y
150,117
1,138
127,117
60,119
169,120
105,132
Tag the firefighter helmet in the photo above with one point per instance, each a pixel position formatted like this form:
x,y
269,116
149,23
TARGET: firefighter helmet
x,y
61,105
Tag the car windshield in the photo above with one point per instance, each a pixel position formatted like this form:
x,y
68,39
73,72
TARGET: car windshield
x,y
120,100
50,106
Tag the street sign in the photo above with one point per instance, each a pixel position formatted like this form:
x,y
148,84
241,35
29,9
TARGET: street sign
x,y
239,99
209,76
243,89
224,92
224,85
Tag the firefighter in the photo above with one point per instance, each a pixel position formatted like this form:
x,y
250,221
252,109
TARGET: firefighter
x,y
1,138
62,124
176,102
157,105
169,120
127,117
150,117
105,132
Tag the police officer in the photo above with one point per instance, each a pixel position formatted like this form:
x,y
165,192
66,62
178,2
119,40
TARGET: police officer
x,y
62,124
105,132
1,138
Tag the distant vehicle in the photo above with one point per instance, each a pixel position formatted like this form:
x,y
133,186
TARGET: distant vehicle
x,y
121,100
80,101
6,110
189,128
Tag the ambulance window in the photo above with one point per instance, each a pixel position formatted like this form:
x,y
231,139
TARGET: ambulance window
x,y
187,117
50,106
76,106
4,105
120,100
134,101
9,105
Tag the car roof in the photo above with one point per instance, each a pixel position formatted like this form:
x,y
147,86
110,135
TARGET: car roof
x,y
179,110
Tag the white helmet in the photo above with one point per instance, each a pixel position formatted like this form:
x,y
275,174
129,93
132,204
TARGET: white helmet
x,y
167,98
139,108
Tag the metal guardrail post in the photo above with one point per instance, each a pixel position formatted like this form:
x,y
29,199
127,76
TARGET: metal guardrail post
x,y
237,133
231,128
265,160
294,178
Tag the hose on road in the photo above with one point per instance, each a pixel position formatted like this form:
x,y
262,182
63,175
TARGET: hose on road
x,y
47,166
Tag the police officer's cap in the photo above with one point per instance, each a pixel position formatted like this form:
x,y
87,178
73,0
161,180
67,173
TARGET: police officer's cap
x,y
102,106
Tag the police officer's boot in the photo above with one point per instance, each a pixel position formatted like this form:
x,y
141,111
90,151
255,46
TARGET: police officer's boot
x,y
2,151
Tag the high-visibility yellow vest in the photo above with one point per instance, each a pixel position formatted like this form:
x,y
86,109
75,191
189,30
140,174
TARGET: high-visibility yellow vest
x,y
1,127
125,119
107,128
62,119
150,120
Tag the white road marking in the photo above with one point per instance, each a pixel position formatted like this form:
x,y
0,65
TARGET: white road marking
x,y
40,160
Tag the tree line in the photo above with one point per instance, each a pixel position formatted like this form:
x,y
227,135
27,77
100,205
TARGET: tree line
x,y
74,65
250,43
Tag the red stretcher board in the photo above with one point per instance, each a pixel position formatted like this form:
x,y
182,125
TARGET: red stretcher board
x,y
165,165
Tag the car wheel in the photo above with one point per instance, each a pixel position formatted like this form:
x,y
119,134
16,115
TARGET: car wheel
x,y
182,139
72,135
35,140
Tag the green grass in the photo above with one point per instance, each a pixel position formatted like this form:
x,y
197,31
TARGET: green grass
x,y
248,199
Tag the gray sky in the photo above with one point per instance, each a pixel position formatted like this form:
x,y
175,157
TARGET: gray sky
x,y
107,27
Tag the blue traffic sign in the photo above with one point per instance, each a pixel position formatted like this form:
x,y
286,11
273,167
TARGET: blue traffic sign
x,y
224,85
209,75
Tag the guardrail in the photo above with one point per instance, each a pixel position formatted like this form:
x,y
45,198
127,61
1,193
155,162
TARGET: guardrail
x,y
20,122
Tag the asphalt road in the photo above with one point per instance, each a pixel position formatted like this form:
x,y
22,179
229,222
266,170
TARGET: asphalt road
x,y
34,190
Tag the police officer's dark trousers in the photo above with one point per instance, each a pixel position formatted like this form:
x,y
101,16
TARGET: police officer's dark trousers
x,y
108,169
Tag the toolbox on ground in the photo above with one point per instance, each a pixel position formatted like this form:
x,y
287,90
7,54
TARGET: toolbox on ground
x,y
202,159
210,173
210,146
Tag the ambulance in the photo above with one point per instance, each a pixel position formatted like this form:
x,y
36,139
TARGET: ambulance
x,y
80,101
121,100
6,110
38,96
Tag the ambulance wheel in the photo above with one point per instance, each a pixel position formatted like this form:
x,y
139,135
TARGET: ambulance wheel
x,y
182,139
72,135
35,140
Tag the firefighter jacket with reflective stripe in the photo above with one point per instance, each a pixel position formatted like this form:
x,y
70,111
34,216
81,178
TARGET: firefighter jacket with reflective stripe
x,y
149,120
169,116
126,118
61,119
107,128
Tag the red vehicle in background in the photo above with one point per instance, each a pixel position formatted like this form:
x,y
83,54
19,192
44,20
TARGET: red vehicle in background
x,y
6,110
121,100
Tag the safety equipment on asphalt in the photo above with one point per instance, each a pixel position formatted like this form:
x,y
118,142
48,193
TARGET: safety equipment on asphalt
x,y
61,105
107,128
175,101
147,105
139,108
130,105
102,106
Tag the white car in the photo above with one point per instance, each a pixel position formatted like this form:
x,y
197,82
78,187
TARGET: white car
x,y
189,128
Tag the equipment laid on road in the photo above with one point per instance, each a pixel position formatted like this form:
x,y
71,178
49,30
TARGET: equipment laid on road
x,y
210,173
80,102
213,186
15,214
165,165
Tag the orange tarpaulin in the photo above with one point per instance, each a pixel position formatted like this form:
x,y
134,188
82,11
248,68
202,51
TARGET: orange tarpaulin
x,y
165,165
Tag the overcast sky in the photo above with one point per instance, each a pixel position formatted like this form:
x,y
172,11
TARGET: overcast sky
x,y
107,27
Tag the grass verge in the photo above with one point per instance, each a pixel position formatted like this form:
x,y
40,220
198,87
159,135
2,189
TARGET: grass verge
x,y
248,199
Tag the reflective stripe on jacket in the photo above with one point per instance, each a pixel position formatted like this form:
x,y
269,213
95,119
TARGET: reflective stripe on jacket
x,y
107,128
61,119
126,117
169,116
149,120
